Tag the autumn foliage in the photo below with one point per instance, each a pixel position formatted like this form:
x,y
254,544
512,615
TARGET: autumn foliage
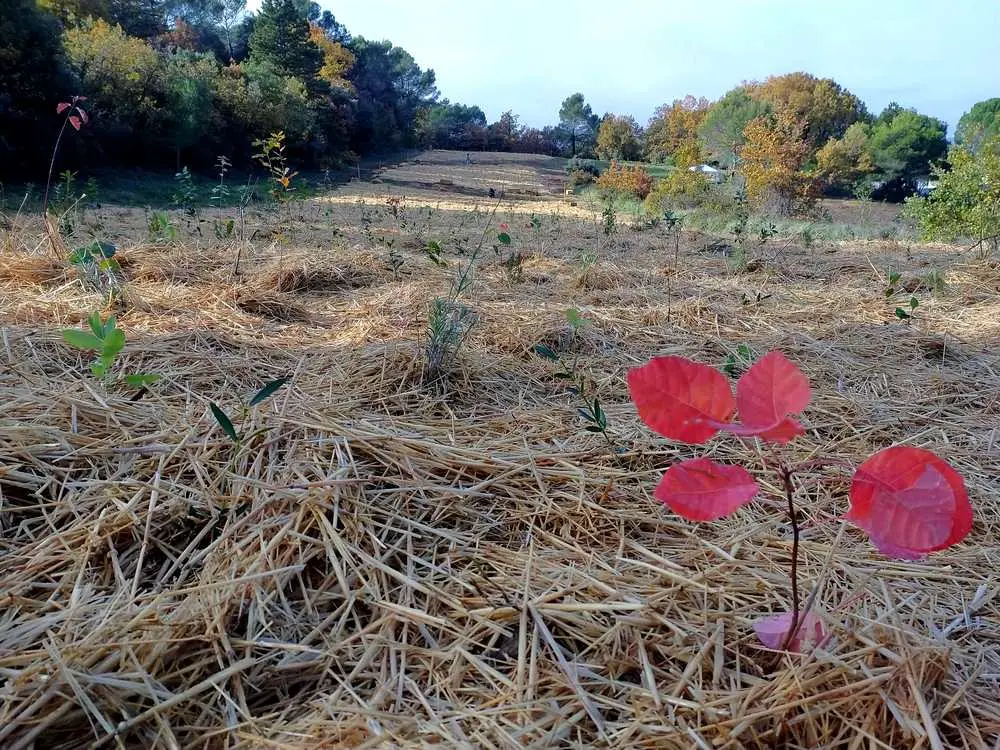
x,y
772,161
620,179
909,501
674,126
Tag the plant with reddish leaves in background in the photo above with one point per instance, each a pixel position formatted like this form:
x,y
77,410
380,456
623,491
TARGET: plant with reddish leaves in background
x,y
908,501
75,115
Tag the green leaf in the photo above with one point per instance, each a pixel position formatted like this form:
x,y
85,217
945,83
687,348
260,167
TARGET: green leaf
x,y
585,413
503,238
599,416
98,369
268,390
902,314
744,351
96,325
593,428
913,303
545,351
79,256
575,319
114,342
139,379
103,248
109,325
563,375
224,422
82,340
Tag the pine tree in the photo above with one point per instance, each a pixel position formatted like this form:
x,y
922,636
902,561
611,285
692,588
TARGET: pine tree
x,y
281,37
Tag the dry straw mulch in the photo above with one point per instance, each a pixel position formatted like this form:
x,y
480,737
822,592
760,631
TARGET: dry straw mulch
x,y
388,565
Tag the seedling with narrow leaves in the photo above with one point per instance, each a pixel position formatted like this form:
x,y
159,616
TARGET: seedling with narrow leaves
x,y
451,321
909,501
238,436
582,388
107,340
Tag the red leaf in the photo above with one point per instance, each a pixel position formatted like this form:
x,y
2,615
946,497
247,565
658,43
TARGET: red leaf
x,y
773,630
785,432
83,115
680,399
703,490
772,389
62,107
910,502
74,121
781,433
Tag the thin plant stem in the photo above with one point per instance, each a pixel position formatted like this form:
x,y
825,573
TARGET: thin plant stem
x,y
786,478
52,164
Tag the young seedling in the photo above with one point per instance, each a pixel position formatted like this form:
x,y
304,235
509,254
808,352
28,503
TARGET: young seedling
x,y
590,409
185,196
99,268
73,114
511,260
434,251
738,362
107,340
271,156
908,501
239,436
893,288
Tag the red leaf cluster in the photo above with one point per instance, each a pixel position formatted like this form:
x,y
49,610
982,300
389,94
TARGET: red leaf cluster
x,y
909,501
78,116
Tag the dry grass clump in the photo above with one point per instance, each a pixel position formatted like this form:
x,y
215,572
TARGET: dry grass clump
x,y
32,268
385,564
310,274
272,305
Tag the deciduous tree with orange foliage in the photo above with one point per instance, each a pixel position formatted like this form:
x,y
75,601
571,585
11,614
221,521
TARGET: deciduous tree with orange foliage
x,y
337,59
825,107
771,163
674,125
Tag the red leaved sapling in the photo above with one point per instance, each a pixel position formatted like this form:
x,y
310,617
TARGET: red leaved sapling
x,y
908,501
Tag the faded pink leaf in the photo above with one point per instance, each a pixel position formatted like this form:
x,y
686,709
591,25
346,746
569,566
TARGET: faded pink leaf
x,y
773,630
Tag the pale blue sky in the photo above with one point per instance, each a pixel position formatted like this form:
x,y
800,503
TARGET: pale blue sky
x,y
629,56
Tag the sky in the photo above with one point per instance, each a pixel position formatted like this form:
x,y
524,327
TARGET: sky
x,y
630,56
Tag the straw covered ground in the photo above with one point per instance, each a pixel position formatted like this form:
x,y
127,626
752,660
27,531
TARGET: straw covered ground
x,y
388,562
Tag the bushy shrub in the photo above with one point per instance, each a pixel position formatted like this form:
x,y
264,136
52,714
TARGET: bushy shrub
x,y
619,179
966,202
576,164
682,188
579,178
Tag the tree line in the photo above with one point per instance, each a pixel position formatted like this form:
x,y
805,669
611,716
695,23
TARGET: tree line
x,y
181,82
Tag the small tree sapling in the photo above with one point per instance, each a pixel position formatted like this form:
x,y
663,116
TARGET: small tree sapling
x,y
908,501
